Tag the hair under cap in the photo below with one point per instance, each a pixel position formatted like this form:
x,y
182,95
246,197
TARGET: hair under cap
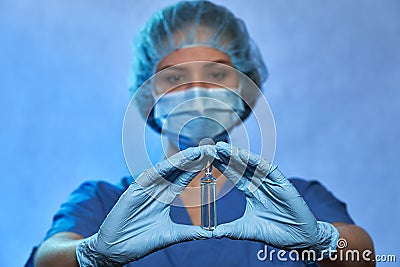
x,y
189,24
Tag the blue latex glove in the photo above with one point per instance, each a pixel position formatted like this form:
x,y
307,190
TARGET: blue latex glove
x,y
275,214
139,224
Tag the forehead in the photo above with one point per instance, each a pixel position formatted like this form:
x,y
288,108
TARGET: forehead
x,y
192,54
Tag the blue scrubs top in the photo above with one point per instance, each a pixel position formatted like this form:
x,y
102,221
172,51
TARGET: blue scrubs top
x,y
87,207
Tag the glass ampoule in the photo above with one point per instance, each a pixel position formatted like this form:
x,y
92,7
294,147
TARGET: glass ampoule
x,y
208,199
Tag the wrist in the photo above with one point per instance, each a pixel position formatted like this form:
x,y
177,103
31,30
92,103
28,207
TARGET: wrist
x,y
87,255
328,237
326,244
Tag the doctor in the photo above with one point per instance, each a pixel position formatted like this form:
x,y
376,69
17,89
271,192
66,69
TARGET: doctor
x,y
197,48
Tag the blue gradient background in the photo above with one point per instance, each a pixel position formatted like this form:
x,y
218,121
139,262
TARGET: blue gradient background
x,y
333,88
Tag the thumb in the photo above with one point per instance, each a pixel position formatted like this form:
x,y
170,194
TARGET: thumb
x,y
190,232
232,230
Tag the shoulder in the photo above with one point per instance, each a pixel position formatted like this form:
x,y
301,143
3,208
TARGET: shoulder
x,y
87,206
96,195
311,189
321,201
304,186
102,189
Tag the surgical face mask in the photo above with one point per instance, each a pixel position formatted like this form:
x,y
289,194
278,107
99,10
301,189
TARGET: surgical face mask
x,y
189,116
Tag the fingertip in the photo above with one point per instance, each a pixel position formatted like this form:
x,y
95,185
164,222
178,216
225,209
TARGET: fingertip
x,y
207,234
275,174
208,151
200,233
222,145
248,157
191,153
183,180
223,149
219,232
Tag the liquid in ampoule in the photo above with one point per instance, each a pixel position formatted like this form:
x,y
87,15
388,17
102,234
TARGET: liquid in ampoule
x,y
208,199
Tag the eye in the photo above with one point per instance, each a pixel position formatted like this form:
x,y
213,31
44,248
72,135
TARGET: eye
x,y
217,75
174,78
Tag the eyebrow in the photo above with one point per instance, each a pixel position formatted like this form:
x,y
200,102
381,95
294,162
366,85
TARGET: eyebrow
x,y
221,61
175,67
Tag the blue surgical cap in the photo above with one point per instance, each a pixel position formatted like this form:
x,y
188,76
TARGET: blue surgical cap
x,y
188,24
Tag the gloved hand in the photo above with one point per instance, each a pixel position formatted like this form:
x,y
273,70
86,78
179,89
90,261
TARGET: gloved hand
x,y
139,224
275,214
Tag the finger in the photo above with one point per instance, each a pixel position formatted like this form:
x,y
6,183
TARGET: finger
x,y
207,149
224,151
227,158
207,154
254,160
169,169
236,158
233,167
258,167
180,161
222,157
246,157
181,182
234,174
276,175
232,230
190,232
169,177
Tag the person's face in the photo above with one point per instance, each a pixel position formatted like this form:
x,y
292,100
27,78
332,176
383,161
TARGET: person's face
x,y
205,67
